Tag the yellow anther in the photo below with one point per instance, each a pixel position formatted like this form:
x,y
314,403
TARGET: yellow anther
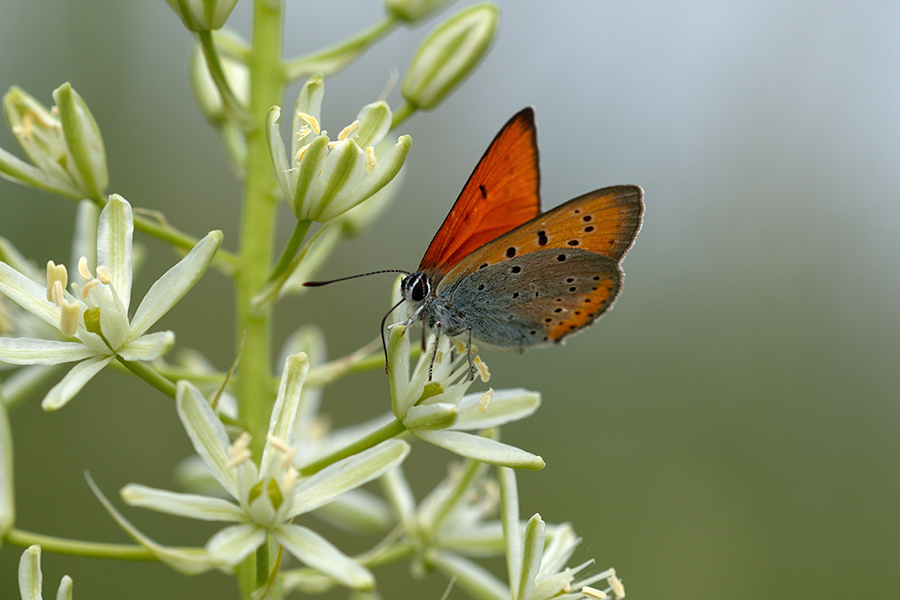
x,y
348,130
311,120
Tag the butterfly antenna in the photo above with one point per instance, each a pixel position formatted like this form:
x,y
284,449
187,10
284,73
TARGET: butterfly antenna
x,y
321,283
383,339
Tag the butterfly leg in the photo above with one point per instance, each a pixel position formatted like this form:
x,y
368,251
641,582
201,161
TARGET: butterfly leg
x,y
471,359
437,338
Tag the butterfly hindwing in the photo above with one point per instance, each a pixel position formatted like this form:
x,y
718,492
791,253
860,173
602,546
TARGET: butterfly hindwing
x,y
534,298
501,194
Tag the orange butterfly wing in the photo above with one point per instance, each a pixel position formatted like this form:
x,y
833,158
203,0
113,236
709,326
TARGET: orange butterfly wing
x,y
595,230
501,194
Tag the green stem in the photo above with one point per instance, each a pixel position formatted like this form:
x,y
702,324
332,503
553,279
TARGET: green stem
x,y
402,114
218,75
259,208
49,543
149,375
392,429
290,250
334,58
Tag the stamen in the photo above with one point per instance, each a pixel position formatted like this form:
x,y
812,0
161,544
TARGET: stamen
x,y
278,443
83,269
88,287
334,144
301,152
313,122
616,586
594,593
303,132
103,275
55,293
240,450
56,274
371,161
289,480
486,398
482,369
348,130
69,317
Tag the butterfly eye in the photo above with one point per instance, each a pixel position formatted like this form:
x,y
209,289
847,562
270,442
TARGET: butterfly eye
x,y
419,289
415,287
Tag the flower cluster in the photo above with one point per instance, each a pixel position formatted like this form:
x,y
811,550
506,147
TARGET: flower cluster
x,y
92,321
321,178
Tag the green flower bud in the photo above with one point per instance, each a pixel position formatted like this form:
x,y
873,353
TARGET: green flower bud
x,y
203,15
412,10
449,54
63,144
83,141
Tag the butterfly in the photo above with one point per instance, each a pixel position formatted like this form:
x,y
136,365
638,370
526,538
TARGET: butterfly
x,y
501,272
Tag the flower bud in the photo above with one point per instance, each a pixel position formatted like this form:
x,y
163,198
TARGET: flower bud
x,y
412,10
449,54
203,15
63,144
83,141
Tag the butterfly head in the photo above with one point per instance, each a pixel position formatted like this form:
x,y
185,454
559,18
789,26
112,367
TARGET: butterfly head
x,y
415,288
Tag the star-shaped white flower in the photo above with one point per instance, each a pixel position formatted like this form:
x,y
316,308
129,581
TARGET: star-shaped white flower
x,y
94,321
265,499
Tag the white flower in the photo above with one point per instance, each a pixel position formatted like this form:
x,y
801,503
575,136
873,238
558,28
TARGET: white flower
x,y
536,558
265,499
94,321
321,178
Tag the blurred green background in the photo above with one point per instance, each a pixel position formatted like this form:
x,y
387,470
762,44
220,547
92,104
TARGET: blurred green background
x,y
730,430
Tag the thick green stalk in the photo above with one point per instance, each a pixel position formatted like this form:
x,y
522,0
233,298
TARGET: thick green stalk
x,y
255,393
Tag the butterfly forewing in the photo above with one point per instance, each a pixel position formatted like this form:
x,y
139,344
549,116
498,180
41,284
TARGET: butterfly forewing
x,y
555,273
604,221
501,194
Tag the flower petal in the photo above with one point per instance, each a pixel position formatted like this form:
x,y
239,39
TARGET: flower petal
x,y
60,394
192,506
346,474
207,435
28,351
531,558
475,579
277,151
28,294
7,492
284,413
114,239
189,561
505,406
175,283
356,191
318,553
148,347
483,449
234,543
30,576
